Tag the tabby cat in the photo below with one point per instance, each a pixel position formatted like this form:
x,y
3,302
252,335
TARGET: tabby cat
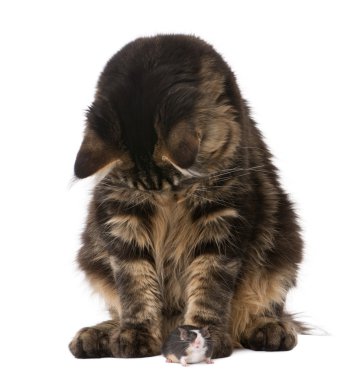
x,y
188,224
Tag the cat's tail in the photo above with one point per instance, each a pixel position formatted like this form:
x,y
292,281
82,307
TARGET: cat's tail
x,y
305,328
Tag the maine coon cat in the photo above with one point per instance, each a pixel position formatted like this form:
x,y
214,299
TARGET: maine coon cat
x,y
189,224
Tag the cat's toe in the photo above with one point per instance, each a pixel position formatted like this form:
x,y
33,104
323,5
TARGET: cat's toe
x,y
273,336
134,343
222,345
89,342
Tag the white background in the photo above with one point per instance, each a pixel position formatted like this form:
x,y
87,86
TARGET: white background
x,y
296,64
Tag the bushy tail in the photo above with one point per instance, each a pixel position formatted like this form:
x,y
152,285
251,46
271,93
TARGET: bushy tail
x,y
305,328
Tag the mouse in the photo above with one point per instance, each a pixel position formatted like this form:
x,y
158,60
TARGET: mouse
x,y
187,345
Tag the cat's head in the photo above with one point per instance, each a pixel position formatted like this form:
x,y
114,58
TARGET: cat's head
x,y
166,109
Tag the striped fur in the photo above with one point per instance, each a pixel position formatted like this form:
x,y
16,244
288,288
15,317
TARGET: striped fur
x,y
189,225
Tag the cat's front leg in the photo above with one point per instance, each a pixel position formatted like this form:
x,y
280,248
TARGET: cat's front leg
x,y
211,280
139,334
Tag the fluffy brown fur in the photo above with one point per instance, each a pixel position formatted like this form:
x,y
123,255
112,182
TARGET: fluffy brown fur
x,y
189,225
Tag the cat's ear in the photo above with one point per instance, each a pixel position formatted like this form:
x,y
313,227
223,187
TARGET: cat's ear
x,y
183,144
93,155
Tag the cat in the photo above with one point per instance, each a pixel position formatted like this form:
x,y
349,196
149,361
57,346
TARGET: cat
x,y
188,223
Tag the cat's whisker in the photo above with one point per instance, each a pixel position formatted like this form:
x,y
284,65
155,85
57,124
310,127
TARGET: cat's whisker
x,y
234,170
186,172
232,185
220,202
194,173
252,147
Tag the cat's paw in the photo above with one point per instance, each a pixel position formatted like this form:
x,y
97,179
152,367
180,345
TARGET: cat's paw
x,y
90,342
134,342
272,336
222,344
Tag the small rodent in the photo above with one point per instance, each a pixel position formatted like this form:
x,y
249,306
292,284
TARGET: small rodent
x,y
188,344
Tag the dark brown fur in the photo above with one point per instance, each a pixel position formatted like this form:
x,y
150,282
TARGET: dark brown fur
x,y
189,224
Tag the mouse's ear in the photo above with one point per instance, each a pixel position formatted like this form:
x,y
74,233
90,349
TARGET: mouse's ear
x,y
183,333
205,332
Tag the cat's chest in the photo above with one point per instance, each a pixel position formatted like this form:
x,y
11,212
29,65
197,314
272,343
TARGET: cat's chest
x,y
173,238
162,223
171,227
